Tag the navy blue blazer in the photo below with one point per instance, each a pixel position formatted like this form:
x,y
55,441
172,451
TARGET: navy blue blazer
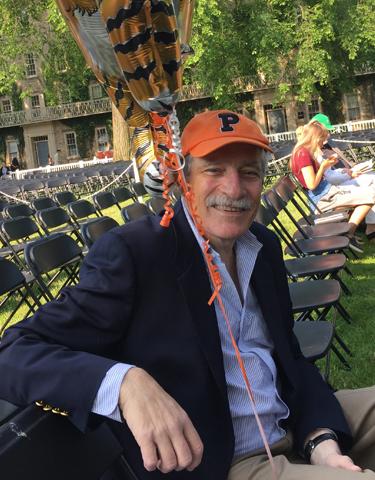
x,y
142,299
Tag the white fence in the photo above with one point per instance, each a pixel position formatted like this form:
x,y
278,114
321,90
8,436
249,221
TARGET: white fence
x,y
339,128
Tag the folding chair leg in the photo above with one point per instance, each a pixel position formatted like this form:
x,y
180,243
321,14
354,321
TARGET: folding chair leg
x,y
344,313
341,357
342,344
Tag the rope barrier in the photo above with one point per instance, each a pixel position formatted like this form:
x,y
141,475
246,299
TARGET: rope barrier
x,y
108,184
366,142
14,198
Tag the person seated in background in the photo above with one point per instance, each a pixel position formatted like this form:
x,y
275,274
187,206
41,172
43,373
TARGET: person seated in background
x,y
51,163
4,170
137,343
14,165
346,176
309,170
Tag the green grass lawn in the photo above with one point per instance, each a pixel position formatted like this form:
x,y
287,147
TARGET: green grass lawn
x,y
359,336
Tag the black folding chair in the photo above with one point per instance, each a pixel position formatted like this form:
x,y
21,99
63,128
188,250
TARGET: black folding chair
x,y
63,198
156,204
56,184
307,246
315,216
15,291
42,203
18,210
17,233
55,220
54,257
81,210
138,189
307,231
122,194
41,442
135,211
95,228
104,200
313,299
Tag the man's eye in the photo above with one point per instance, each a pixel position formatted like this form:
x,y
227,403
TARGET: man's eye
x,y
213,170
250,173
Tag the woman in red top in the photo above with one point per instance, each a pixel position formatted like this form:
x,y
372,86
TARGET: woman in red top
x,y
310,173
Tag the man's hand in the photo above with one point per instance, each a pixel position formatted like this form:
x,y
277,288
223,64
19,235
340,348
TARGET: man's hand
x,y
328,453
162,429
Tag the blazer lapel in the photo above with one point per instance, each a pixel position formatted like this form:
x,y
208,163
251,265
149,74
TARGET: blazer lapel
x,y
195,285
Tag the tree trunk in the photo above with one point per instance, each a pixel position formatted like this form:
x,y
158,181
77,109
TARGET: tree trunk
x,y
121,136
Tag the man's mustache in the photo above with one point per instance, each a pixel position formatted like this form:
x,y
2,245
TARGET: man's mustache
x,y
226,202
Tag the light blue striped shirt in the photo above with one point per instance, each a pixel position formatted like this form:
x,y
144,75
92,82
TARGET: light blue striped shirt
x,y
256,347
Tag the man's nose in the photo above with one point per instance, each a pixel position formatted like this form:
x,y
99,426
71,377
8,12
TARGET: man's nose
x,y
233,185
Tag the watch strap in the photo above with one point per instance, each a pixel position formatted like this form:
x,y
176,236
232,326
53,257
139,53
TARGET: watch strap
x,y
314,442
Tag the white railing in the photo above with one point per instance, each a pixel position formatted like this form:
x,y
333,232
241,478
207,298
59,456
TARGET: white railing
x,y
354,126
20,174
58,112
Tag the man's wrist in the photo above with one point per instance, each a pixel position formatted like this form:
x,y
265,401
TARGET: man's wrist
x,y
315,441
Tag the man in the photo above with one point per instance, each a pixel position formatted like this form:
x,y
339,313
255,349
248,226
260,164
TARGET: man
x,y
137,341
57,157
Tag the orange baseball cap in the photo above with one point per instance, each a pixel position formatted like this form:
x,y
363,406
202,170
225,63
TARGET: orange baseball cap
x,y
211,130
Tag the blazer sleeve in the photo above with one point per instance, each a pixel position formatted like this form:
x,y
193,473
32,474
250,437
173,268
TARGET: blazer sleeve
x,y
61,354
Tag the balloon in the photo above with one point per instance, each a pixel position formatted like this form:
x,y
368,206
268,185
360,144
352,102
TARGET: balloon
x,y
89,31
145,39
184,13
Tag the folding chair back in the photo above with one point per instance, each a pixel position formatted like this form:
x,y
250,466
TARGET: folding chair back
x,y
48,253
42,203
135,211
18,210
81,209
156,204
105,200
53,217
139,189
94,229
63,198
122,194
13,282
19,228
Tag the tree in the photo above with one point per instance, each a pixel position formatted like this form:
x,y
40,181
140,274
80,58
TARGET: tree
x,y
37,26
305,47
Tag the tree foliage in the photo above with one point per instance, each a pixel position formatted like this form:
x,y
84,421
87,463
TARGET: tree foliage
x,y
297,46
306,47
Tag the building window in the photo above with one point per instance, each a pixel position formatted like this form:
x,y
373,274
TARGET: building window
x,y
354,112
276,118
30,65
12,148
313,108
96,91
71,144
6,106
101,138
301,111
35,101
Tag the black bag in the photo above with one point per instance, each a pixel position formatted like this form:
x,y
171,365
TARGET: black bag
x,y
43,446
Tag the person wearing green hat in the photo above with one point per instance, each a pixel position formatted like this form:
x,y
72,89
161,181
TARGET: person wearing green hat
x,y
324,120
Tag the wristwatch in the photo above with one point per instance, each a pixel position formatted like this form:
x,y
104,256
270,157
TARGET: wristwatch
x,y
314,442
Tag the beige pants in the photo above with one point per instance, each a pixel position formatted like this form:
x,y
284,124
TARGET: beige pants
x,y
359,409
349,196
